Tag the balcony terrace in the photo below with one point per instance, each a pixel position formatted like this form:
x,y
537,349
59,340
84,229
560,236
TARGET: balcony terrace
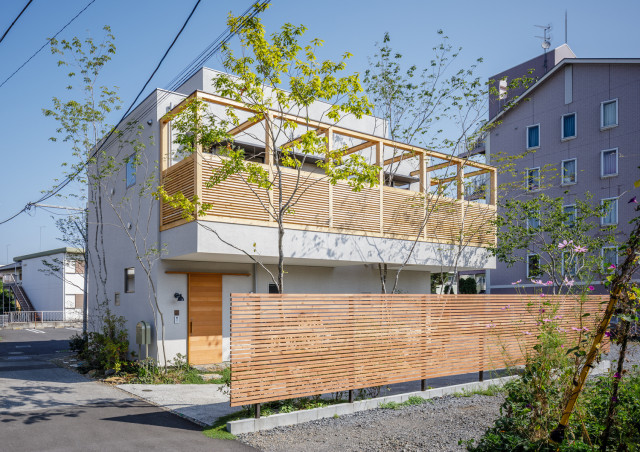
x,y
418,211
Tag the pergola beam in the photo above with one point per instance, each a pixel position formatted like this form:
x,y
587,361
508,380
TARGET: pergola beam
x,y
295,140
359,147
399,158
245,125
452,178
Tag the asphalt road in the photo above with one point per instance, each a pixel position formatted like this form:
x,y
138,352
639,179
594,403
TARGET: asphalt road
x,y
47,408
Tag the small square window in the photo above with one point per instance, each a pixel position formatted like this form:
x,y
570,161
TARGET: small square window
x,y
569,171
611,211
609,256
131,170
129,280
273,288
609,163
533,179
533,136
569,216
533,266
569,126
609,114
533,224
79,301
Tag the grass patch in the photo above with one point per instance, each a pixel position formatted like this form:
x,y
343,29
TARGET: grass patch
x,y
491,390
219,429
413,400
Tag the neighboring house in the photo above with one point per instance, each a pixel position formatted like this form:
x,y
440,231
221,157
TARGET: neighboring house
x,y
334,239
582,117
10,272
54,281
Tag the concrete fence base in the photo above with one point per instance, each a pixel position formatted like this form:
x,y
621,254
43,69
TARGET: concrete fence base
x,y
40,325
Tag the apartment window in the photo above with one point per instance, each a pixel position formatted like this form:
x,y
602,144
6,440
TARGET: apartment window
x,y
569,171
610,211
79,301
533,224
609,114
569,127
502,89
533,266
569,265
569,215
131,170
533,179
79,267
129,280
609,163
533,136
609,256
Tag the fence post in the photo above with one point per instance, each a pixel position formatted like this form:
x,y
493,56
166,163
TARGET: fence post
x,y
350,395
257,410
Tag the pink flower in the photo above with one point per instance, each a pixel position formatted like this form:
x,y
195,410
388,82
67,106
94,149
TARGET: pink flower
x,y
591,288
580,249
516,282
564,243
607,333
537,281
568,282
548,283
585,328
612,267
575,329
561,346
617,375
527,333
558,317
562,330
542,295
541,311
490,325
546,320
505,307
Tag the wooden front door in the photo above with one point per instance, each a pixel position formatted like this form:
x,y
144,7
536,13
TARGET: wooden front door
x,y
205,318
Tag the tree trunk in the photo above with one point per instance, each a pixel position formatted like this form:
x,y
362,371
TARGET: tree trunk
x,y
616,385
382,270
280,258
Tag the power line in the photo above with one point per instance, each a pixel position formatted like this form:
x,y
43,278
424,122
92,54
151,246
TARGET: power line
x,y
46,43
187,72
15,20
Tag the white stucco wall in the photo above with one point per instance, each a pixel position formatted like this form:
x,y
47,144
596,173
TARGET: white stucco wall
x,y
45,290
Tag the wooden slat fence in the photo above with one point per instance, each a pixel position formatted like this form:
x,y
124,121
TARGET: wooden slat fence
x,y
292,345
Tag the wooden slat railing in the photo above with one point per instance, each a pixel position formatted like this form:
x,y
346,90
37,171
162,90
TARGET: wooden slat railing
x,y
376,212
286,346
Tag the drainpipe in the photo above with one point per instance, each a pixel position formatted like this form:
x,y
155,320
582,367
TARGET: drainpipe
x,y
255,278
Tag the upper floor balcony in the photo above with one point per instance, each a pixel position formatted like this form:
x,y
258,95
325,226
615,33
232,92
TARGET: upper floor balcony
x,y
420,195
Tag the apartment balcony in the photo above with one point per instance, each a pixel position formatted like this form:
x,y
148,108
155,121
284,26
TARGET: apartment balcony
x,y
426,211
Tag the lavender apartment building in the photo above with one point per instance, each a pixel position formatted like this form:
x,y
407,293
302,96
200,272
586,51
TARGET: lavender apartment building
x,y
582,116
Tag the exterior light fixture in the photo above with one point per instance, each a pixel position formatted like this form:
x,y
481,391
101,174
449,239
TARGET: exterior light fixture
x,y
178,296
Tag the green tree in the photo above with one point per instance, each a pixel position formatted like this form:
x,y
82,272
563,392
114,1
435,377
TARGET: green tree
x,y
558,243
276,74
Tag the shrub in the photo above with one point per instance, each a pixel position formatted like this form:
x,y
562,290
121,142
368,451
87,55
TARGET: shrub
x,y
105,349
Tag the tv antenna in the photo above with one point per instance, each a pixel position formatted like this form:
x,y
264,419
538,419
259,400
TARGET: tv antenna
x,y
546,42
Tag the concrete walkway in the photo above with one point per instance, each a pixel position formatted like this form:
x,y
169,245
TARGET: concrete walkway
x,y
202,404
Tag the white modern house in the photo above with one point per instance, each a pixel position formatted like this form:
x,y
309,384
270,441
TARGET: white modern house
x,y
53,281
335,238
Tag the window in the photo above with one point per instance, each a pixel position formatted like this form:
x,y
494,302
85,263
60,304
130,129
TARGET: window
x,y
609,163
273,288
533,137
569,215
129,280
79,267
131,170
569,265
533,179
569,171
569,127
79,301
609,114
610,211
609,256
533,223
533,266
502,89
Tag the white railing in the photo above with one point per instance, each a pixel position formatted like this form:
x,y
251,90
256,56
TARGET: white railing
x,y
36,316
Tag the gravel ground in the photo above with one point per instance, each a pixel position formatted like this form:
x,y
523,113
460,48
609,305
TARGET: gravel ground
x,y
436,426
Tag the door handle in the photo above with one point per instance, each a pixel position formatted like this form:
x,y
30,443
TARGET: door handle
x,y
190,327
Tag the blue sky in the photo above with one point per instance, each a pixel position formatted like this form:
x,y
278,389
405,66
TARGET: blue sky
x,y
500,32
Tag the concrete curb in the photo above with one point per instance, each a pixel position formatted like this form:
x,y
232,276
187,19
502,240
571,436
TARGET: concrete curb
x,y
298,417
